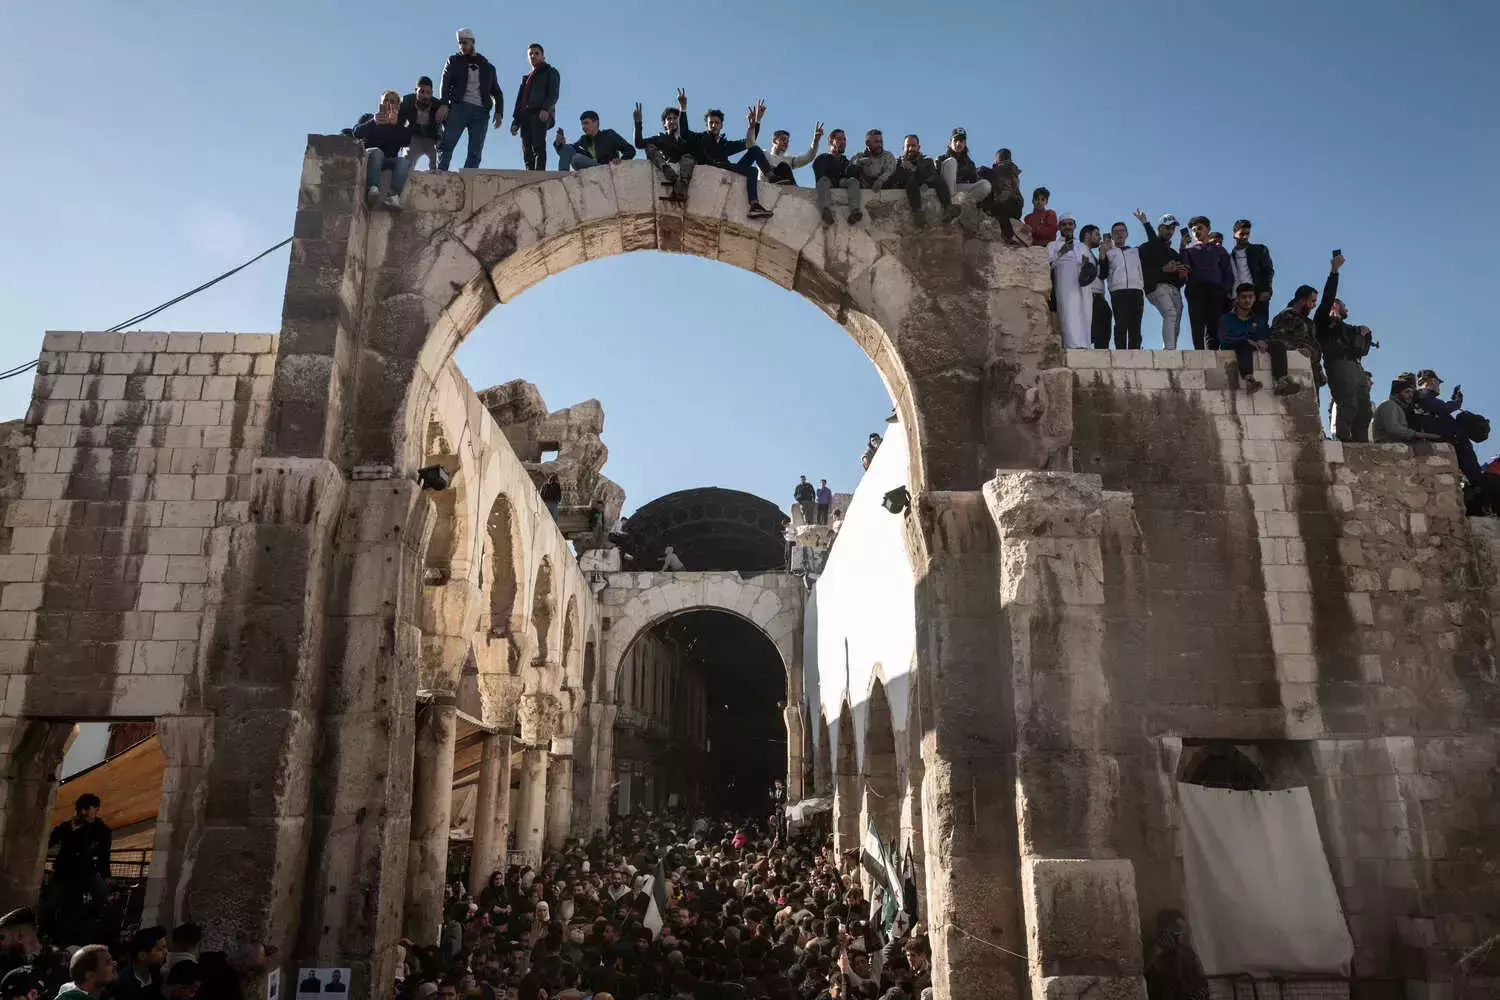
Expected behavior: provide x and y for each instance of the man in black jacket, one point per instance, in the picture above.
(1343, 347)
(1162, 275)
(833, 168)
(665, 149)
(81, 866)
(536, 104)
(914, 171)
(470, 88)
(711, 149)
(425, 117)
(958, 169)
(594, 148)
(1252, 265)
(384, 138)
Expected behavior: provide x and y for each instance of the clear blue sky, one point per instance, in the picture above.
(1371, 126)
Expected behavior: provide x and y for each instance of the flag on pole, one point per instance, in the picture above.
(656, 885)
(876, 860)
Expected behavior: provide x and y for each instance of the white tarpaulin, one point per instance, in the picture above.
(1260, 897)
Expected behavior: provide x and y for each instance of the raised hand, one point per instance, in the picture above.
(681, 99)
(1141, 217)
(817, 133)
(1338, 261)
(637, 113)
(760, 109)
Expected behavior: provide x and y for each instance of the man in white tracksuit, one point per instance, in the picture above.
(1074, 301)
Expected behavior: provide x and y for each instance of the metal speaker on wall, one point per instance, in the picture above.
(897, 501)
(434, 477)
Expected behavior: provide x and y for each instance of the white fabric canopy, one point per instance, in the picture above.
(1260, 897)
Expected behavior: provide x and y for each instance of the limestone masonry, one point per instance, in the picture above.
(1120, 566)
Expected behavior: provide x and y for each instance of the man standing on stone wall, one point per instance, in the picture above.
(1067, 257)
(425, 117)
(470, 88)
(1098, 306)
(806, 498)
(1162, 273)
(824, 497)
(1121, 268)
(1344, 346)
(536, 106)
(1210, 281)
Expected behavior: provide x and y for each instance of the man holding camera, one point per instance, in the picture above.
(1344, 346)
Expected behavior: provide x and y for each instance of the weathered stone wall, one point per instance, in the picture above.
(1325, 606)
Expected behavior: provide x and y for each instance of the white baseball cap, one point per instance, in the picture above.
(465, 33)
(1168, 220)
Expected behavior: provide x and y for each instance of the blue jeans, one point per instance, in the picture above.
(551, 506)
(376, 161)
(570, 159)
(461, 118)
(751, 164)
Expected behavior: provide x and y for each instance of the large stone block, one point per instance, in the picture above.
(1082, 918)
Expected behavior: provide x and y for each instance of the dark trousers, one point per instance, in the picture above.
(1004, 210)
(782, 174)
(913, 179)
(1244, 357)
(1349, 385)
(823, 513)
(1099, 327)
(1130, 306)
(533, 141)
(750, 165)
(1205, 308)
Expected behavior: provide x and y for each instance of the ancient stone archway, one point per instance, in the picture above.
(359, 360)
(881, 791)
(541, 611)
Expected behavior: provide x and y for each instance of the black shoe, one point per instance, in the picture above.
(855, 215)
(668, 175)
(919, 217)
(827, 216)
(758, 211)
(951, 212)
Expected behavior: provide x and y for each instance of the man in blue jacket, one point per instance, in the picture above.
(1247, 334)
(470, 88)
(536, 106)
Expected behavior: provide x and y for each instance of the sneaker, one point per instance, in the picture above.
(393, 202)
(854, 216)
(951, 212)
(1287, 386)
(372, 196)
(1251, 384)
(827, 216)
(759, 211)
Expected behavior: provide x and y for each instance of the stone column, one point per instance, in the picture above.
(538, 717)
(531, 822)
(793, 714)
(431, 817)
(31, 752)
(1082, 916)
(626, 780)
(559, 793)
(604, 766)
(186, 742)
(968, 784)
(491, 810)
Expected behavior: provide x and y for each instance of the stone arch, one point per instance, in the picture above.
(592, 678)
(446, 554)
(846, 784)
(1221, 765)
(881, 784)
(771, 605)
(954, 320)
(541, 610)
(823, 760)
(502, 581)
(568, 655)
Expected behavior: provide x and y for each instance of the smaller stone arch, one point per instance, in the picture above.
(541, 610)
(846, 784)
(593, 679)
(445, 558)
(881, 784)
(568, 654)
(502, 580)
(1222, 765)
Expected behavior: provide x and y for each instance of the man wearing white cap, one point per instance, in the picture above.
(1074, 299)
(470, 88)
(1162, 273)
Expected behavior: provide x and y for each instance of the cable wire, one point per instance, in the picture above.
(142, 317)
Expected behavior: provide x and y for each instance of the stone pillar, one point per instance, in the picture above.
(559, 793)
(793, 715)
(968, 784)
(186, 742)
(604, 765)
(625, 778)
(431, 818)
(31, 752)
(491, 810)
(538, 717)
(1081, 911)
(531, 821)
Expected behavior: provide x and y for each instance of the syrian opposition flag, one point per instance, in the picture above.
(657, 887)
(876, 860)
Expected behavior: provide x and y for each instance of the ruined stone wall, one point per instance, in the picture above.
(132, 489)
(1325, 607)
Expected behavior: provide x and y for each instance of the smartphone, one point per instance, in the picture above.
(1338, 253)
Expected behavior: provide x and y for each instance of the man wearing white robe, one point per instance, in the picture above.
(1074, 302)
